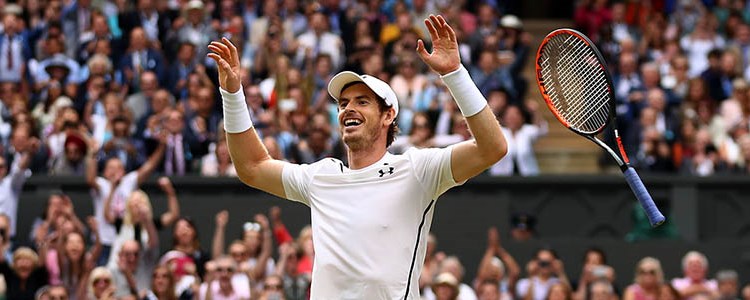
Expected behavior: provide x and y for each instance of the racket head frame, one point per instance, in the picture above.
(602, 64)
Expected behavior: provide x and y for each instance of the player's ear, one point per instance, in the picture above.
(390, 116)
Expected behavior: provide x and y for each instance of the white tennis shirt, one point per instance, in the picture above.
(370, 225)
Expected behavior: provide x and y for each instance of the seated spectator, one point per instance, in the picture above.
(221, 286)
(72, 162)
(100, 284)
(594, 268)
(24, 275)
(545, 270)
(123, 145)
(218, 162)
(294, 285)
(445, 287)
(695, 268)
(649, 279)
(420, 135)
(559, 291)
(183, 148)
(138, 103)
(162, 285)
(601, 289)
(273, 288)
(452, 265)
(46, 110)
(522, 226)
(728, 284)
(132, 269)
(497, 266)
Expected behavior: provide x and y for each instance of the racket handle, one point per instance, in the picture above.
(634, 181)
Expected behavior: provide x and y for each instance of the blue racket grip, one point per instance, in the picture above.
(634, 181)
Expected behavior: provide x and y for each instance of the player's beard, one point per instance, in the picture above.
(362, 138)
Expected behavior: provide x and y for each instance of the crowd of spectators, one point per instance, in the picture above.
(680, 72)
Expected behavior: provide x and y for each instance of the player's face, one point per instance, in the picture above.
(361, 122)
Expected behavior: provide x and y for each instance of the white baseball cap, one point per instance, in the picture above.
(379, 87)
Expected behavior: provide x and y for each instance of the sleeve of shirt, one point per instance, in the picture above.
(432, 167)
(18, 176)
(130, 180)
(522, 287)
(296, 180)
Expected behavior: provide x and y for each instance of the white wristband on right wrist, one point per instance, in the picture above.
(468, 97)
(236, 115)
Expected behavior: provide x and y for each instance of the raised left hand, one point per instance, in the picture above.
(445, 57)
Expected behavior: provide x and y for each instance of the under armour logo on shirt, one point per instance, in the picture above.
(382, 172)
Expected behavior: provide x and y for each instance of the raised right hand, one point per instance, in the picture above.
(226, 57)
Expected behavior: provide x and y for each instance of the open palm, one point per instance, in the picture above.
(226, 57)
(445, 57)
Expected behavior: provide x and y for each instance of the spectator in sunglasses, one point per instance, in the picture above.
(100, 284)
(273, 289)
(649, 278)
(221, 286)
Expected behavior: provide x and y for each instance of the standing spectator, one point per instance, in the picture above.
(11, 183)
(137, 223)
(146, 15)
(139, 58)
(520, 159)
(544, 271)
(699, 43)
(194, 29)
(185, 239)
(15, 50)
(180, 69)
(114, 181)
(24, 275)
(695, 268)
(72, 261)
(318, 40)
(649, 278)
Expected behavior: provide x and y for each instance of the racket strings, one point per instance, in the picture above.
(575, 82)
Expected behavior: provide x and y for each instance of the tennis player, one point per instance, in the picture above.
(370, 218)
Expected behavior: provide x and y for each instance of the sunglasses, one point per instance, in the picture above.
(273, 287)
(228, 270)
(105, 280)
(248, 226)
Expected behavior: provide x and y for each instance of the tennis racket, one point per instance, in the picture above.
(573, 78)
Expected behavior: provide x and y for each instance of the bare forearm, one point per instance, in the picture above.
(487, 133)
(217, 244)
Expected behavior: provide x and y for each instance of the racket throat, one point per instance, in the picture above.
(621, 148)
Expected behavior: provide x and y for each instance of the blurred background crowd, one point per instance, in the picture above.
(116, 91)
